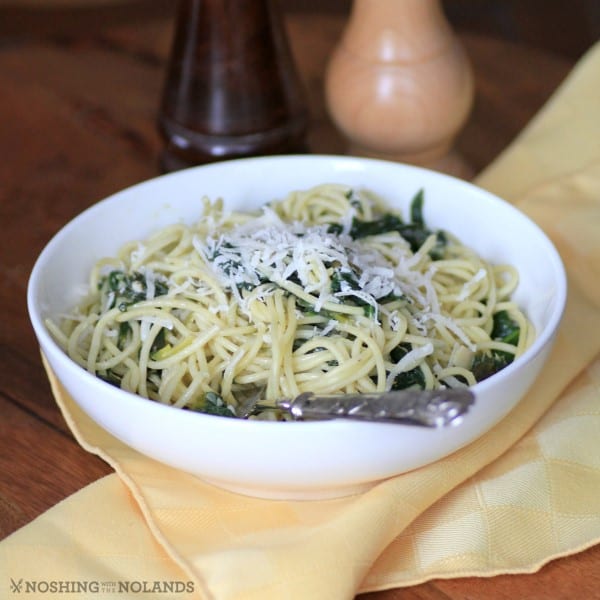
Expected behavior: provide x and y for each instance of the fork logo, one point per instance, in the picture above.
(16, 587)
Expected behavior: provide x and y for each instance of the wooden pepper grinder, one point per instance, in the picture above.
(231, 88)
(399, 85)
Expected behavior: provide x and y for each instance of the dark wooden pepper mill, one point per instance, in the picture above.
(231, 86)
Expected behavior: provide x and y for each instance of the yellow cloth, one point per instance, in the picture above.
(523, 494)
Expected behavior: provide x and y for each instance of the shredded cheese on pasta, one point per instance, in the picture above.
(290, 299)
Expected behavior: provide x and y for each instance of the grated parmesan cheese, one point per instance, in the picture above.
(408, 362)
(266, 248)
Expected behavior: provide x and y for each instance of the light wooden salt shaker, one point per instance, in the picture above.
(399, 85)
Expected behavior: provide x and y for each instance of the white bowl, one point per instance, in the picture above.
(295, 459)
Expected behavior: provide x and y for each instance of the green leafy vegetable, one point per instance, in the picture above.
(361, 229)
(124, 333)
(212, 404)
(347, 280)
(110, 377)
(409, 379)
(486, 364)
(159, 342)
(125, 289)
(506, 330)
(415, 232)
(416, 209)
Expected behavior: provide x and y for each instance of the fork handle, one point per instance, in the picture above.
(427, 408)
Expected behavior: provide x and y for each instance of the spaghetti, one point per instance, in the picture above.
(326, 290)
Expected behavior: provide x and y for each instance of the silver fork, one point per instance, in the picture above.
(426, 408)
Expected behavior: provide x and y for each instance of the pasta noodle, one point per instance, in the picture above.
(326, 290)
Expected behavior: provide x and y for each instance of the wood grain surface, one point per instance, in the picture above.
(78, 122)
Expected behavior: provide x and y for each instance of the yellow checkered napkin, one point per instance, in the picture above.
(523, 494)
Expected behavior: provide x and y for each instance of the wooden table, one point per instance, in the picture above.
(77, 122)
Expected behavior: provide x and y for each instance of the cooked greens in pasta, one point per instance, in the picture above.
(327, 290)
